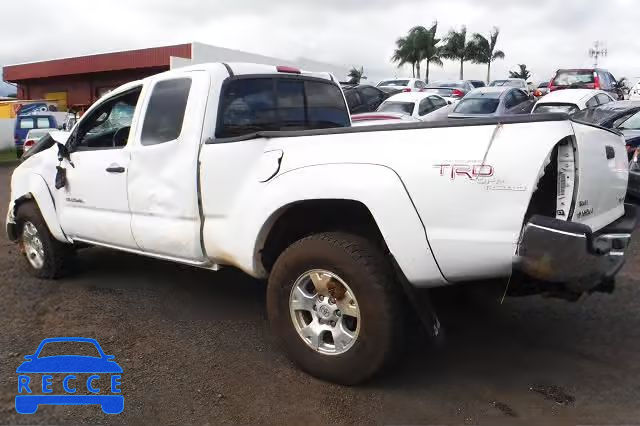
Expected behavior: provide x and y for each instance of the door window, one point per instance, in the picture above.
(108, 125)
(603, 99)
(437, 101)
(593, 102)
(165, 112)
(425, 106)
(371, 95)
(510, 100)
(520, 97)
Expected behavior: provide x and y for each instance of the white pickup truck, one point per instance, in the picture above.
(257, 167)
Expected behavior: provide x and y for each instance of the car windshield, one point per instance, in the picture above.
(576, 78)
(477, 106)
(69, 348)
(394, 83)
(561, 108)
(401, 107)
(631, 123)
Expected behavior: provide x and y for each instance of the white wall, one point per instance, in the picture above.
(202, 53)
(6, 133)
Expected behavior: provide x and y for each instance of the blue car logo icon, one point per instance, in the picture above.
(27, 400)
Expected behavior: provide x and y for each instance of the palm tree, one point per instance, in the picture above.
(418, 45)
(458, 48)
(355, 75)
(523, 73)
(430, 50)
(407, 52)
(486, 51)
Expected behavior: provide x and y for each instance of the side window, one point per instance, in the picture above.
(425, 106)
(438, 101)
(604, 80)
(520, 97)
(612, 80)
(108, 125)
(353, 99)
(603, 99)
(26, 123)
(371, 94)
(165, 112)
(251, 105)
(419, 84)
(593, 102)
(510, 100)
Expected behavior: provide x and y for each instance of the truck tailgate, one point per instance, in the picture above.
(602, 176)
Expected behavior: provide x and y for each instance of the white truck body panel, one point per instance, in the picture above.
(450, 202)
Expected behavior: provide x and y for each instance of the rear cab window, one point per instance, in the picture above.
(43, 123)
(256, 104)
(26, 123)
(574, 78)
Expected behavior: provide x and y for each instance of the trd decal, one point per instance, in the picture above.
(470, 171)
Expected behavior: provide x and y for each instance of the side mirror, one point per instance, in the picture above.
(63, 152)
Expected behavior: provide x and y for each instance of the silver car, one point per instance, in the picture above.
(492, 101)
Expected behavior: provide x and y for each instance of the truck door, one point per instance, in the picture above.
(93, 205)
(163, 173)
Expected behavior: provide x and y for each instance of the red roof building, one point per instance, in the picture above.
(82, 80)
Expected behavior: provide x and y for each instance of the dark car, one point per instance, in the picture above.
(586, 78)
(493, 101)
(623, 116)
(365, 98)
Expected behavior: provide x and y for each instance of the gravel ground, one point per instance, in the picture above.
(195, 348)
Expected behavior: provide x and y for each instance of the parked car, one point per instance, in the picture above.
(365, 98)
(415, 104)
(46, 142)
(623, 116)
(571, 101)
(257, 167)
(477, 83)
(404, 84)
(380, 118)
(24, 123)
(587, 78)
(33, 136)
(493, 101)
(512, 82)
(463, 87)
(451, 94)
(541, 90)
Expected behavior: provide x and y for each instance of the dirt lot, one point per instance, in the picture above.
(195, 348)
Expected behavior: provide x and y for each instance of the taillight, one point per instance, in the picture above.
(456, 93)
(596, 81)
(537, 93)
(28, 144)
(406, 90)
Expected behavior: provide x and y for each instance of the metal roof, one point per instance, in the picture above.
(130, 59)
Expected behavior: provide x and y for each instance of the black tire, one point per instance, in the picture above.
(56, 253)
(370, 276)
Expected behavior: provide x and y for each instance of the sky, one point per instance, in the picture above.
(544, 34)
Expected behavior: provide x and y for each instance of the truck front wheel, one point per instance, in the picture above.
(46, 257)
(333, 302)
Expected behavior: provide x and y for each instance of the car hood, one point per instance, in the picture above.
(69, 364)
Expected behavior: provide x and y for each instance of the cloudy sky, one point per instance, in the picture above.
(544, 34)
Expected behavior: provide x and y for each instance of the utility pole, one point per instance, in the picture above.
(597, 51)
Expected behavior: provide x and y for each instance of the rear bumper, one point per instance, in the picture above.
(556, 251)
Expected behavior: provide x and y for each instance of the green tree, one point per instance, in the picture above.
(522, 73)
(430, 52)
(485, 50)
(406, 52)
(420, 44)
(458, 48)
(355, 75)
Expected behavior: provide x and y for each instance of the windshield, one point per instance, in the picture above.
(401, 107)
(575, 78)
(561, 108)
(394, 83)
(477, 106)
(450, 84)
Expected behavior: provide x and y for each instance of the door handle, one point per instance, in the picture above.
(611, 153)
(115, 169)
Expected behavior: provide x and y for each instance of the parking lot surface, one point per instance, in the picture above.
(195, 348)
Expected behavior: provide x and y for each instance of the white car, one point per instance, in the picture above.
(257, 167)
(33, 136)
(404, 84)
(415, 104)
(570, 101)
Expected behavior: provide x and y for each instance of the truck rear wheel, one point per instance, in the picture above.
(333, 302)
(46, 257)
